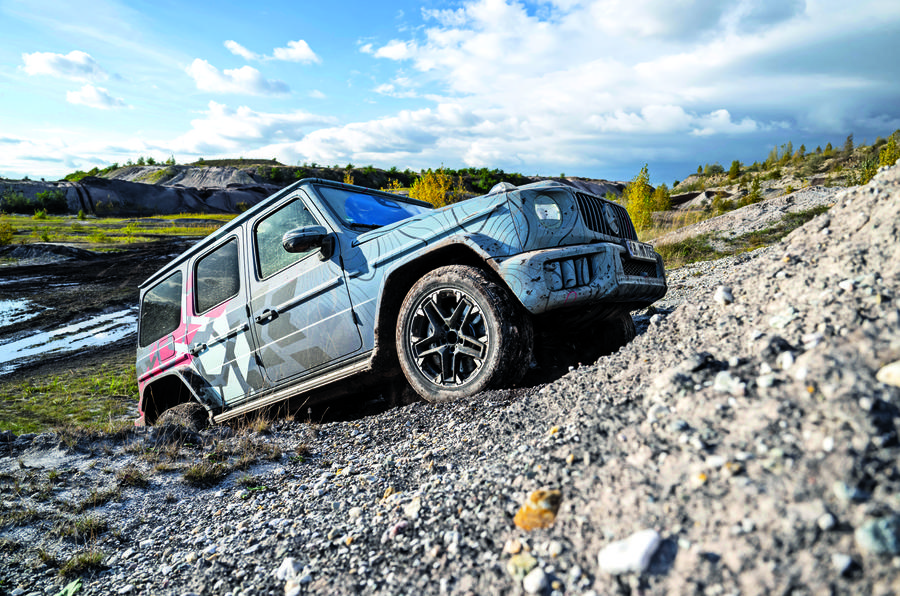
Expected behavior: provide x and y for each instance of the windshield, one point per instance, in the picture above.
(364, 211)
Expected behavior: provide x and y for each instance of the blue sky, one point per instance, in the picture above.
(591, 88)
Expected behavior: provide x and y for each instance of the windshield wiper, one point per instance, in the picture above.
(364, 226)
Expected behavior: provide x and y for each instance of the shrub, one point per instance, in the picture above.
(39, 214)
(52, 201)
(6, 233)
(436, 187)
(15, 202)
(638, 198)
(735, 170)
(890, 152)
(81, 215)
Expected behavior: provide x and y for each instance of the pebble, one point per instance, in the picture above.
(879, 536)
(841, 562)
(539, 510)
(631, 555)
(536, 581)
(723, 295)
(826, 522)
(520, 565)
(889, 374)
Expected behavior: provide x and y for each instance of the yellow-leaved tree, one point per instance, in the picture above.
(638, 199)
(436, 187)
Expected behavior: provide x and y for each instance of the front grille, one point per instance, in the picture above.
(638, 268)
(592, 211)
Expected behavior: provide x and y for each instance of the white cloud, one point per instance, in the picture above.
(223, 130)
(296, 51)
(719, 122)
(244, 80)
(239, 50)
(316, 94)
(76, 65)
(94, 97)
(396, 50)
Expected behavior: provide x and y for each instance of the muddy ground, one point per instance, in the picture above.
(72, 285)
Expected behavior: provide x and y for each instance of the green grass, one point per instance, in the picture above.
(96, 232)
(81, 563)
(700, 247)
(88, 399)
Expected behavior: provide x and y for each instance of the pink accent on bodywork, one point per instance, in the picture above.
(569, 295)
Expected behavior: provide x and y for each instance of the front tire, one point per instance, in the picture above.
(460, 333)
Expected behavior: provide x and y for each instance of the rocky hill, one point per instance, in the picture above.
(227, 188)
(746, 442)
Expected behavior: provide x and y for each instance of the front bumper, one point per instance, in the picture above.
(587, 274)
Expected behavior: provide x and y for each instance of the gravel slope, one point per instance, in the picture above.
(753, 430)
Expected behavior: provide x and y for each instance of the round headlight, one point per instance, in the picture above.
(548, 212)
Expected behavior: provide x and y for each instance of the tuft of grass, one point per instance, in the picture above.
(83, 562)
(689, 250)
(97, 498)
(82, 529)
(206, 474)
(131, 476)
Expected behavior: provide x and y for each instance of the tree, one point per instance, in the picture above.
(828, 150)
(436, 187)
(890, 152)
(699, 169)
(848, 144)
(638, 198)
(661, 199)
(735, 170)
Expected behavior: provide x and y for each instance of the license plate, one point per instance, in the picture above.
(640, 250)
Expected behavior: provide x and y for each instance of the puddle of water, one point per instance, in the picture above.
(99, 331)
(16, 311)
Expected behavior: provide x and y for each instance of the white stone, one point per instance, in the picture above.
(841, 562)
(826, 522)
(890, 374)
(536, 581)
(289, 569)
(723, 295)
(828, 444)
(631, 555)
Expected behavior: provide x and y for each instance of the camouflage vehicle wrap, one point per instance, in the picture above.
(328, 285)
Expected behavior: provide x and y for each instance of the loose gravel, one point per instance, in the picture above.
(744, 443)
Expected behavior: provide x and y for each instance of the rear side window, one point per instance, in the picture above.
(217, 276)
(271, 256)
(161, 309)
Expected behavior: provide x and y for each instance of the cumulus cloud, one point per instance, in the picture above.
(94, 97)
(239, 50)
(224, 130)
(295, 51)
(245, 80)
(76, 66)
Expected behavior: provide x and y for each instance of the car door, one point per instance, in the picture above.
(220, 339)
(300, 306)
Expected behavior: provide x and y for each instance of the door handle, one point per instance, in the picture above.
(266, 316)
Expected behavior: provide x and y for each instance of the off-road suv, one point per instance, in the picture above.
(331, 286)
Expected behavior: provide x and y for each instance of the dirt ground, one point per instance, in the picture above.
(79, 285)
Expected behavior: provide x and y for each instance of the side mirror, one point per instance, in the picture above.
(304, 239)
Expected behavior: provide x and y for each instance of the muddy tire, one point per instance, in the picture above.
(190, 415)
(460, 333)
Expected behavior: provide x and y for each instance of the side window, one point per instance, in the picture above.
(217, 277)
(161, 309)
(270, 254)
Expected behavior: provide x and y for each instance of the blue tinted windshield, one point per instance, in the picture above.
(362, 210)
